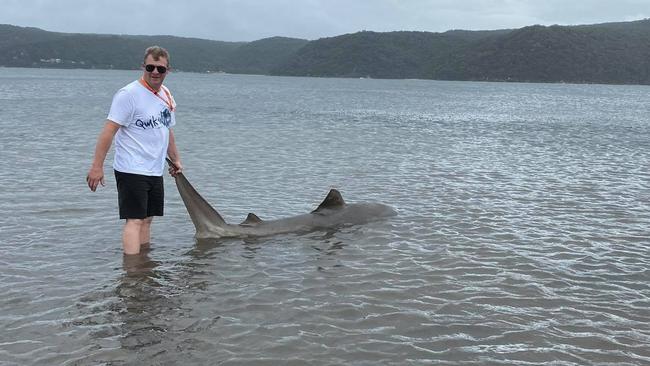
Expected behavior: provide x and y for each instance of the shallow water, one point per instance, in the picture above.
(522, 234)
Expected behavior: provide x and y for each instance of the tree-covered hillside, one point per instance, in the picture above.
(605, 53)
(599, 53)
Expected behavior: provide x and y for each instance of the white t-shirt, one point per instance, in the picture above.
(141, 143)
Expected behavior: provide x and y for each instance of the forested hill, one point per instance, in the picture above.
(601, 53)
(33, 47)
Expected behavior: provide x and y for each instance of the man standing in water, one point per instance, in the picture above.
(140, 119)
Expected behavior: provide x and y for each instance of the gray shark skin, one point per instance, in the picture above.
(332, 212)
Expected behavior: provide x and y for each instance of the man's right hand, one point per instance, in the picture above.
(94, 178)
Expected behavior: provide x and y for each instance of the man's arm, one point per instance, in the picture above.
(95, 175)
(172, 153)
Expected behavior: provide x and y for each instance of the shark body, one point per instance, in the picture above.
(332, 212)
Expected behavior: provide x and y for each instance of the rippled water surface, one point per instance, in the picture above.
(522, 234)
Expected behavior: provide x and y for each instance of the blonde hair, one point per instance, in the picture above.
(156, 52)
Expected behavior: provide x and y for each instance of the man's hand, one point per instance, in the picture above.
(95, 177)
(175, 168)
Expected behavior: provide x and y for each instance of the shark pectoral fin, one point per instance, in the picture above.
(251, 220)
(333, 201)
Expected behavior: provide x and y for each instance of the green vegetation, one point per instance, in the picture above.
(260, 57)
(602, 53)
(31, 47)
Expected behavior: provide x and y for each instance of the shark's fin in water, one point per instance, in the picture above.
(251, 220)
(333, 201)
(201, 212)
(203, 215)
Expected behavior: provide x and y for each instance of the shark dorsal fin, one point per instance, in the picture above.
(251, 220)
(333, 201)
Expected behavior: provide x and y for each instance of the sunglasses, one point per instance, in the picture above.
(161, 69)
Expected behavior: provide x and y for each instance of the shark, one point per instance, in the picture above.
(332, 212)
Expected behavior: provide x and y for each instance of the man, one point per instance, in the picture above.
(140, 119)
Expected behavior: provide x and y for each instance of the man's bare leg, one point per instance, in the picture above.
(131, 235)
(145, 233)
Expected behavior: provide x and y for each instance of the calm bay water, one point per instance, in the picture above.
(522, 234)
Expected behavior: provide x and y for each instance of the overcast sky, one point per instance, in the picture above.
(248, 20)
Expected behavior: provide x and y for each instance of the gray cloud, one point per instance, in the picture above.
(246, 20)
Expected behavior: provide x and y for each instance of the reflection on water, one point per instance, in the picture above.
(141, 265)
(141, 291)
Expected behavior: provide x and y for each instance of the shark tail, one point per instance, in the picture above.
(203, 215)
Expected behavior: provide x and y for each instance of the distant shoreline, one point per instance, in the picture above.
(336, 77)
(608, 53)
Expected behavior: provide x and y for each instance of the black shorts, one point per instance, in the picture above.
(139, 196)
